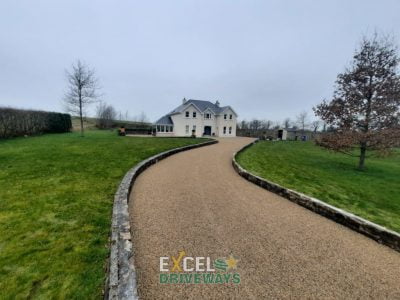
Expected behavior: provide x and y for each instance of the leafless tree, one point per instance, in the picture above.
(82, 90)
(365, 109)
(276, 126)
(315, 125)
(106, 115)
(243, 124)
(303, 121)
(255, 124)
(266, 124)
(286, 123)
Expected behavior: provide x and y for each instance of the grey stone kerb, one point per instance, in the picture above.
(367, 228)
(121, 274)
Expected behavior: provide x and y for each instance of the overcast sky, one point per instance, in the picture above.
(267, 59)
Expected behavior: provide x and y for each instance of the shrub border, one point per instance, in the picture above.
(374, 231)
(121, 274)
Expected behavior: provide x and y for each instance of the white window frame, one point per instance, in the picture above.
(230, 117)
(224, 131)
(230, 129)
(187, 129)
(194, 115)
(225, 116)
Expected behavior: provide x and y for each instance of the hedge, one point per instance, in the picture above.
(20, 122)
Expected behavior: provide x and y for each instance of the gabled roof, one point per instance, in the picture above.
(201, 105)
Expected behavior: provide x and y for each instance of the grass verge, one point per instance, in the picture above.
(373, 194)
(56, 201)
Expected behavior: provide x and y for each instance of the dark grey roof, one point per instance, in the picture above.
(202, 105)
(165, 120)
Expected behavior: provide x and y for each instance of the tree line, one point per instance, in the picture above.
(302, 122)
(19, 122)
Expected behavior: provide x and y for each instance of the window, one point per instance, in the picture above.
(230, 117)
(171, 128)
(167, 128)
(225, 115)
(207, 116)
(187, 114)
(194, 114)
(187, 129)
(162, 128)
(224, 129)
(194, 127)
(158, 128)
(230, 130)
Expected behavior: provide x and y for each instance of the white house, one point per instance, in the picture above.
(199, 117)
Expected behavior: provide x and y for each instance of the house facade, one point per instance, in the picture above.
(199, 117)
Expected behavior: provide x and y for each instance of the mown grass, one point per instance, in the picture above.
(373, 194)
(56, 195)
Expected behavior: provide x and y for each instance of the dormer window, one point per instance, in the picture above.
(187, 114)
(225, 115)
(207, 116)
(194, 114)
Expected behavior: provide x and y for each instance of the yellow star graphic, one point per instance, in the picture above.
(231, 262)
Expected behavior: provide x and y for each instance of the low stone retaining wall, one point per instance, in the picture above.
(369, 229)
(121, 274)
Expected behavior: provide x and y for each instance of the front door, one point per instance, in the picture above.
(207, 130)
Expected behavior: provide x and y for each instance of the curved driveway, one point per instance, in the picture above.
(195, 201)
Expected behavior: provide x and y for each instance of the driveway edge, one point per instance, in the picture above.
(121, 274)
(374, 231)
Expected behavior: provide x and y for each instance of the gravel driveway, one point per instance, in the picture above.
(194, 201)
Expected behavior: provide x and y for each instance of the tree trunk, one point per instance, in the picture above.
(363, 150)
(81, 116)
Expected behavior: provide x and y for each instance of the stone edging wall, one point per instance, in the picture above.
(121, 274)
(369, 229)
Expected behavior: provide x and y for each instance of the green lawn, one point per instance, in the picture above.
(373, 194)
(56, 195)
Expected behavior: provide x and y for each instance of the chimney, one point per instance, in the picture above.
(217, 103)
(183, 100)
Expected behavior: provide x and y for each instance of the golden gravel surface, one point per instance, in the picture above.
(195, 201)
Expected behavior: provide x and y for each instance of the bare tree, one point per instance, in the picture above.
(286, 123)
(255, 124)
(106, 115)
(302, 121)
(315, 125)
(365, 109)
(244, 124)
(82, 90)
(266, 124)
